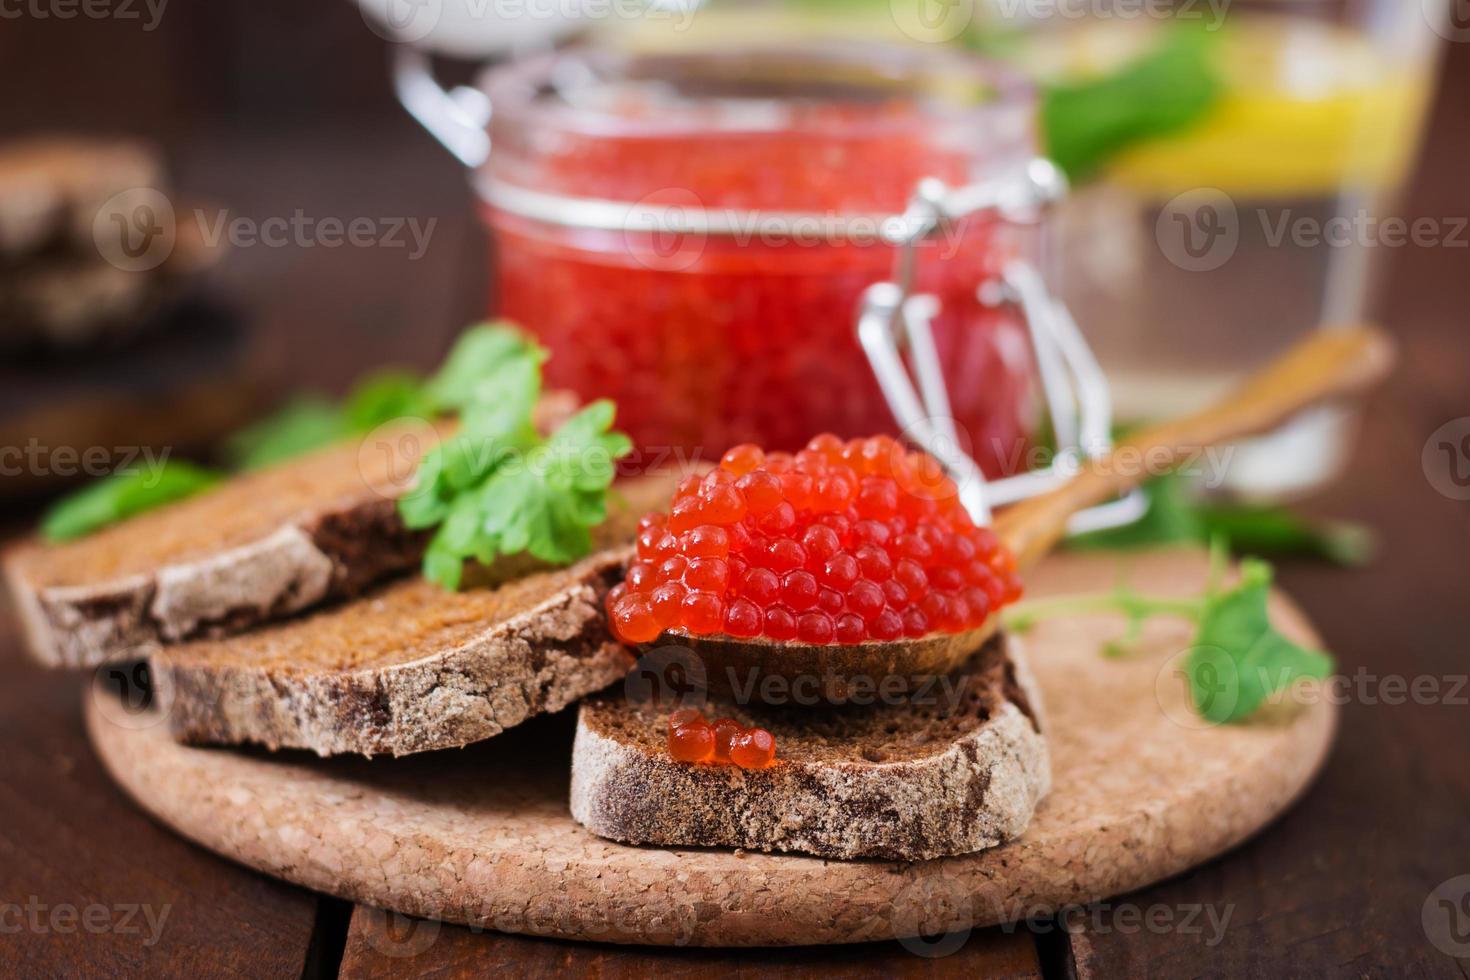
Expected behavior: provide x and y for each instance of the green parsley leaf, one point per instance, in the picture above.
(301, 426)
(1238, 659)
(497, 488)
(476, 357)
(1174, 516)
(1170, 519)
(123, 495)
(384, 396)
(1085, 123)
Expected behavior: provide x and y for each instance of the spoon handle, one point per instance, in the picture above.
(1331, 363)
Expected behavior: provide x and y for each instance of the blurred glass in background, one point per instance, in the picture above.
(1236, 166)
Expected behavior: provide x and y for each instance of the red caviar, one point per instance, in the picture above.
(844, 542)
(710, 340)
(724, 741)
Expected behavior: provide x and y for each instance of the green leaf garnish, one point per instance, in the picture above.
(1239, 659)
(1174, 516)
(301, 426)
(497, 488)
(384, 396)
(480, 353)
(1085, 123)
(123, 495)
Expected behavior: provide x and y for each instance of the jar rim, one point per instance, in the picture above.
(937, 81)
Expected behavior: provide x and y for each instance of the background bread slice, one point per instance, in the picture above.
(407, 668)
(256, 548)
(903, 782)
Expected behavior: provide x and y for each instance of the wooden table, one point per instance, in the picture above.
(1337, 887)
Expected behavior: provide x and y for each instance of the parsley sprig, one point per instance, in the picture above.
(1238, 659)
(122, 495)
(497, 487)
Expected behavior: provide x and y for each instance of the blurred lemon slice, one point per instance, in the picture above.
(1307, 108)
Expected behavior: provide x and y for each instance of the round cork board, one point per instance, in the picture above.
(1142, 790)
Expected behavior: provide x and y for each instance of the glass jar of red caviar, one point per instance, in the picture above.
(692, 235)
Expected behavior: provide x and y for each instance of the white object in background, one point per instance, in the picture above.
(474, 29)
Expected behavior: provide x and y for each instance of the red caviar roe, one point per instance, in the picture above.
(724, 741)
(843, 542)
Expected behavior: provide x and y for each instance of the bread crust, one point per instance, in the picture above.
(975, 791)
(539, 658)
(83, 605)
(298, 565)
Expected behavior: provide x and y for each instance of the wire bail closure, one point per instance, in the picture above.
(893, 322)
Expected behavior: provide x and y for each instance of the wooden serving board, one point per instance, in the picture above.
(1143, 790)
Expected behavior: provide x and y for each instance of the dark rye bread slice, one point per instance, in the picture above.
(907, 782)
(407, 668)
(51, 189)
(258, 547)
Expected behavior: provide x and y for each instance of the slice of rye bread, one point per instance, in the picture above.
(907, 782)
(407, 668)
(256, 548)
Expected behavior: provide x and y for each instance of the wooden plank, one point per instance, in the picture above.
(70, 845)
(89, 886)
(1340, 885)
(383, 944)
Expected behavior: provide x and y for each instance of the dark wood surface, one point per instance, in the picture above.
(1337, 887)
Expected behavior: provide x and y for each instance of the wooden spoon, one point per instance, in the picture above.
(1330, 364)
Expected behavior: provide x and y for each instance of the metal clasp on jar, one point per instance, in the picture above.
(894, 321)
